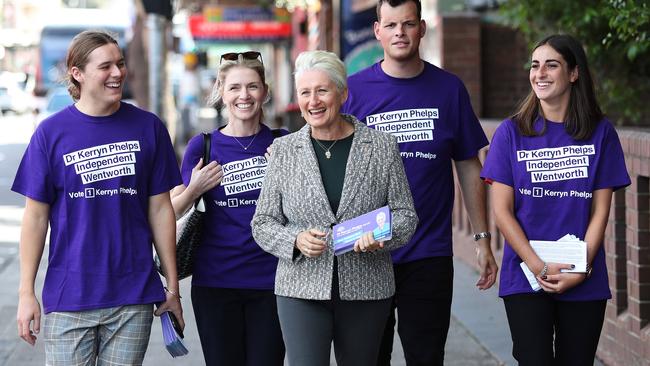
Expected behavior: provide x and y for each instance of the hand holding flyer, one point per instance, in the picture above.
(348, 232)
(568, 250)
(172, 335)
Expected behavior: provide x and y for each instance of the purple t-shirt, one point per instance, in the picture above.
(97, 174)
(433, 120)
(554, 177)
(228, 256)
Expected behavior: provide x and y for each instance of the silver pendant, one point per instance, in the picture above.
(328, 154)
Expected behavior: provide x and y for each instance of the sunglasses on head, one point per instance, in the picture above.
(248, 55)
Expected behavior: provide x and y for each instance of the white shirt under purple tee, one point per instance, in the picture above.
(434, 123)
(554, 177)
(97, 174)
(228, 256)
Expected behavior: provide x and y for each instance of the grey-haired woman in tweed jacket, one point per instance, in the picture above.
(333, 169)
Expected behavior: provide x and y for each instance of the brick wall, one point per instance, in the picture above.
(461, 52)
(504, 82)
(626, 334)
(625, 339)
(489, 58)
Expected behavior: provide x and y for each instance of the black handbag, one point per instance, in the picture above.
(189, 228)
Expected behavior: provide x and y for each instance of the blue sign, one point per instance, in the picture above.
(359, 47)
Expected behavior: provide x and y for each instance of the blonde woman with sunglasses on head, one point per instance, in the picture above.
(232, 284)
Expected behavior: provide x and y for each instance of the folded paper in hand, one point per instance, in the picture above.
(173, 338)
(568, 250)
(348, 232)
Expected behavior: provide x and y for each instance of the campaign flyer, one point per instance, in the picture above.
(172, 335)
(348, 232)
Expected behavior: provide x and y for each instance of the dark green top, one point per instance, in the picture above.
(332, 170)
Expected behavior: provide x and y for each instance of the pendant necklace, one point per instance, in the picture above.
(249, 144)
(328, 154)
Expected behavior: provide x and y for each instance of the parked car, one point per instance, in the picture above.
(13, 99)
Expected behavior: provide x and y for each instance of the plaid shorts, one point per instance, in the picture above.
(111, 336)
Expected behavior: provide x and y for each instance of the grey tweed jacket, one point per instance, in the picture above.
(293, 199)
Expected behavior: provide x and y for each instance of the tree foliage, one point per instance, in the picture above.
(616, 36)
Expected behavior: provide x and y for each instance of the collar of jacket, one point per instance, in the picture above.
(360, 156)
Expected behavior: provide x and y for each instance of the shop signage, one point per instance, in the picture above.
(241, 23)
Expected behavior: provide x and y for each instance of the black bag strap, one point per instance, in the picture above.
(207, 143)
(207, 139)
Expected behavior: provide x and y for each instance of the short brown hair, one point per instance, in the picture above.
(82, 45)
(396, 3)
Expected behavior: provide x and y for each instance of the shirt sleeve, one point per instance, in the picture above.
(34, 177)
(470, 137)
(193, 153)
(611, 171)
(498, 164)
(164, 172)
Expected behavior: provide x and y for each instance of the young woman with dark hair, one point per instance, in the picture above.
(553, 167)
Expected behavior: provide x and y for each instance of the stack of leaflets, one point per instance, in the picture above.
(172, 335)
(569, 249)
(348, 232)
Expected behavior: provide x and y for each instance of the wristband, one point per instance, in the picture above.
(544, 270)
(173, 293)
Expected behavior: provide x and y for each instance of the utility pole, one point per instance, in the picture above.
(159, 12)
(158, 16)
(156, 25)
